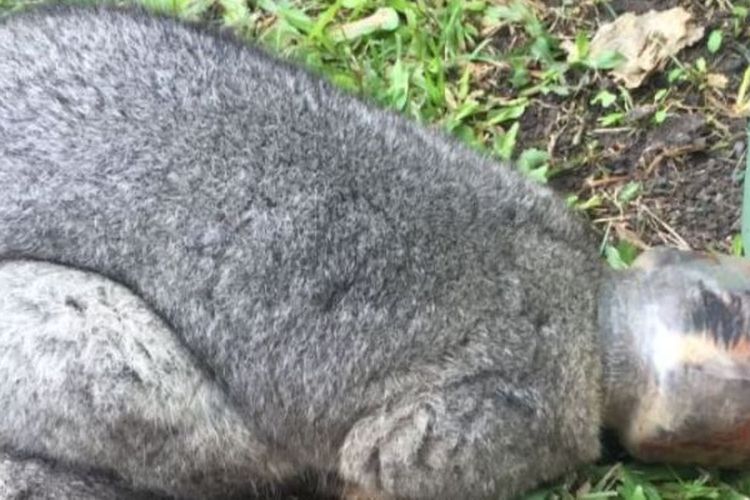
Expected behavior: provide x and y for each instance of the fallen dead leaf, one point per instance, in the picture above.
(717, 81)
(645, 41)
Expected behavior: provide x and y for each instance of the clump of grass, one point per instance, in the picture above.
(631, 481)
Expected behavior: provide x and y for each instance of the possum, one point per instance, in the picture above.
(221, 275)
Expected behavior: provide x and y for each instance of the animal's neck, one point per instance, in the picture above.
(623, 375)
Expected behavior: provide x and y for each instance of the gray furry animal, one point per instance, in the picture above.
(220, 274)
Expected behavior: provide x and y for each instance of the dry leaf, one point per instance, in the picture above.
(646, 41)
(717, 81)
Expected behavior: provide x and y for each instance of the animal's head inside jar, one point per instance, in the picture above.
(676, 335)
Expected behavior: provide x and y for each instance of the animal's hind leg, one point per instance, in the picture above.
(480, 439)
(90, 377)
(32, 479)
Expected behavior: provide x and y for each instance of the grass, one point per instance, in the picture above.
(495, 75)
(632, 481)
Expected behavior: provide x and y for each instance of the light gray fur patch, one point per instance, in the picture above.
(92, 377)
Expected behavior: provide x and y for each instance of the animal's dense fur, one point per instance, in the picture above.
(33, 479)
(340, 290)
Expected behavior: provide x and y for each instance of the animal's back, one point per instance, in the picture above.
(324, 258)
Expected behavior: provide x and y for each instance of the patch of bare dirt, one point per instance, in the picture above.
(689, 167)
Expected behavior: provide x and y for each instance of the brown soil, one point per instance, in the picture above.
(690, 167)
